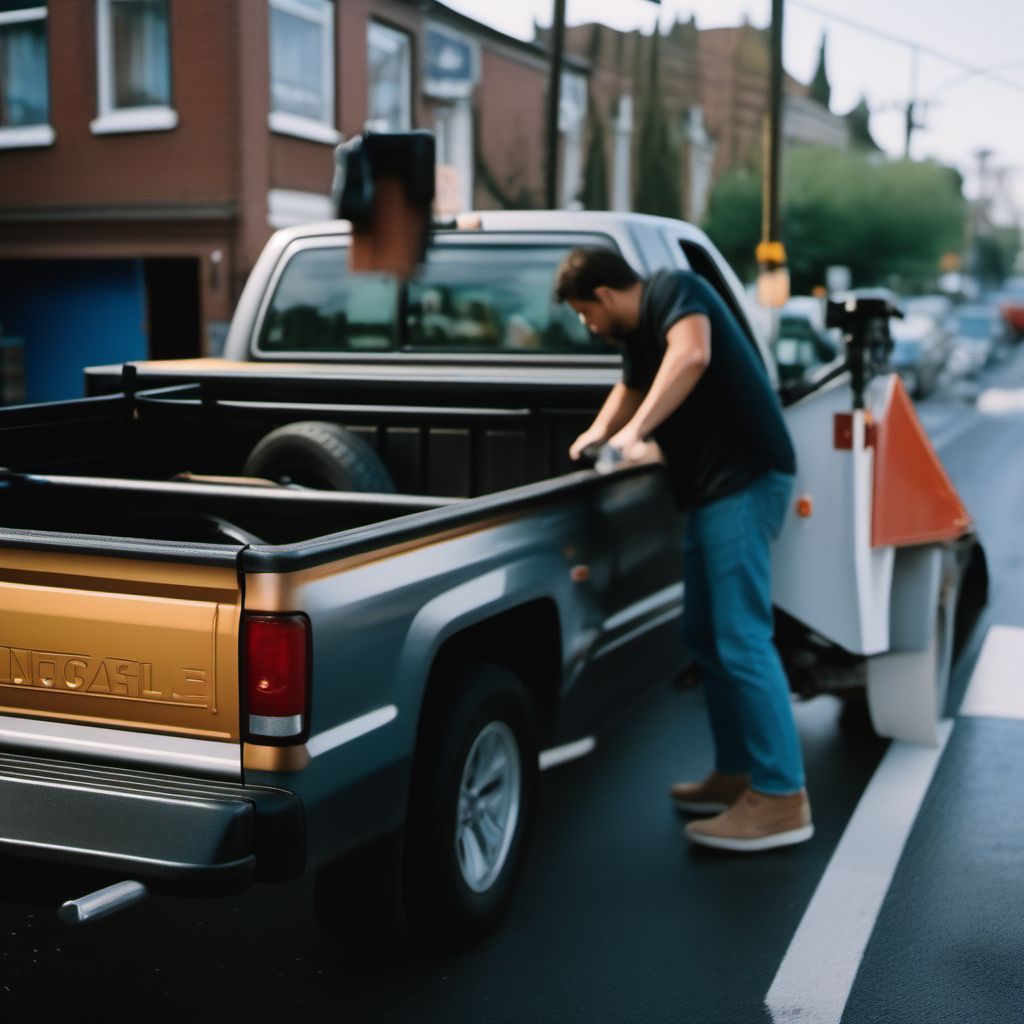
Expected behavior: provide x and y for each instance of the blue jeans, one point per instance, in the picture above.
(727, 626)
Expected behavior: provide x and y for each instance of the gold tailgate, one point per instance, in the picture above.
(107, 641)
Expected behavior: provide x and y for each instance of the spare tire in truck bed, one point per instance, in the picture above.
(324, 456)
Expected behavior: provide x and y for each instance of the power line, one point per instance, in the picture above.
(903, 41)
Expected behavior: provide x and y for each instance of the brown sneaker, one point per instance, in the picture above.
(756, 821)
(716, 793)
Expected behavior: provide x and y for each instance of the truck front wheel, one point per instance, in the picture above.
(471, 803)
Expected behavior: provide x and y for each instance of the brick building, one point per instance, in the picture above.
(712, 88)
(149, 147)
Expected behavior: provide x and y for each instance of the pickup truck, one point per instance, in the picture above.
(331, 602)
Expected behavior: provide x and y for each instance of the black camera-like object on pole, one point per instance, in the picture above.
(863, 318)
(384, 185)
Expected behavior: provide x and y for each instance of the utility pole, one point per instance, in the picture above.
(911, 122)
(554, 102)
(773, 278)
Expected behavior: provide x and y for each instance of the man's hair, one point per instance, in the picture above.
(591, 267)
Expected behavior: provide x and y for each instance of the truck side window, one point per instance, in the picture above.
(493, 298)
(318, 307)
(701, 263)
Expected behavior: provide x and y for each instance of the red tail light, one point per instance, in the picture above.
(276, 675)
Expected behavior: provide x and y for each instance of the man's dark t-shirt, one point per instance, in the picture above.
(729, 430)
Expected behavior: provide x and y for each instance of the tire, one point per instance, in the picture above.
(323, 456)
(410, 887)
(454, 893)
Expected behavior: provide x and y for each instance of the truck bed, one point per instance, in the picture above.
(161, 464)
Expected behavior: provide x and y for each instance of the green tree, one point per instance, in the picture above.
(595, 171)
(733, 218)
(879, 217)
(859, 120)
(659, 169)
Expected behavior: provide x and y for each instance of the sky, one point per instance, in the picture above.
(967, 113)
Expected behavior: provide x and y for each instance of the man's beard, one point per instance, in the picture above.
(618, 333)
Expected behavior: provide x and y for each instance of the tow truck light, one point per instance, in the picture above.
(276, 675)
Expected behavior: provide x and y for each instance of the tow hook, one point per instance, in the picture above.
(102, 903)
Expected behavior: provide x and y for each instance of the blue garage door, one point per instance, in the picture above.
(71, 314)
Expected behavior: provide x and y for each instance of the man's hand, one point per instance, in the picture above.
(592, 435)
(630, 444)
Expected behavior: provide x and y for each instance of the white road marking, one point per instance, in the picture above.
(815, 977)
(996, 689)
(1001, 401)
(817, 973)
(568, 752)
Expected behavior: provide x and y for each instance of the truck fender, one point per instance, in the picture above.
(468, 604)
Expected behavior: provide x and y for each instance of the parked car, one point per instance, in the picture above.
(1011, 304)
(938, 307)
(799, 347)
(980, 334)
(921, 348)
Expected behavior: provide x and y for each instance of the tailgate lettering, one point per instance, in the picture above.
(97, 677)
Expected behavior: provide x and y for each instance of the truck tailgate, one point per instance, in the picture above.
(140, 645)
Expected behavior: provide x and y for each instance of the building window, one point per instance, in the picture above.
(133, 45)
(451, 70)
(390, 83)
(302, 69)
(24, 79)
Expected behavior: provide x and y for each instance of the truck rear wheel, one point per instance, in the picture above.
(323, 456)
(447, 876)
(471, 804)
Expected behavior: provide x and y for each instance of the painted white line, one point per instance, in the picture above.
(1001, 401)
(815, 977)
(568, 752)
(348, 731)
(996, 689)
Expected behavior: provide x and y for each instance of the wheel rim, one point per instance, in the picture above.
(488, 809)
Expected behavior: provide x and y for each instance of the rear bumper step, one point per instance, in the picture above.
(170, 832)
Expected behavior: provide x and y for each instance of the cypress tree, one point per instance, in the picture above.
(820, 89)
(595, 171)
(658, 183)
(859, 120)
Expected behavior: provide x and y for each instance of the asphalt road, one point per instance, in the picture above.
(616, 918)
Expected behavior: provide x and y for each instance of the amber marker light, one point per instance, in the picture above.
(804, 506)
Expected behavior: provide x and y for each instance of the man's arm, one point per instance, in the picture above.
(687, 355)
(619, 408)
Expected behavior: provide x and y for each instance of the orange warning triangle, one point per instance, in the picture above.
(914, 501)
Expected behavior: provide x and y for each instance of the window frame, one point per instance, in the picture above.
(341, 242)
(283, 122)
(113, 120)
(24, 136)
(407, 90)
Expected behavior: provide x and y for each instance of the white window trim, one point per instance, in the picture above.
(23, 136)
(281, 121)
(25, 14)
(113, 120)
(135, 119)
(407, 91)
(287, 207)
(302, 127)
(27, 135)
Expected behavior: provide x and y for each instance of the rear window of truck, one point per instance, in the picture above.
(469, 299)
